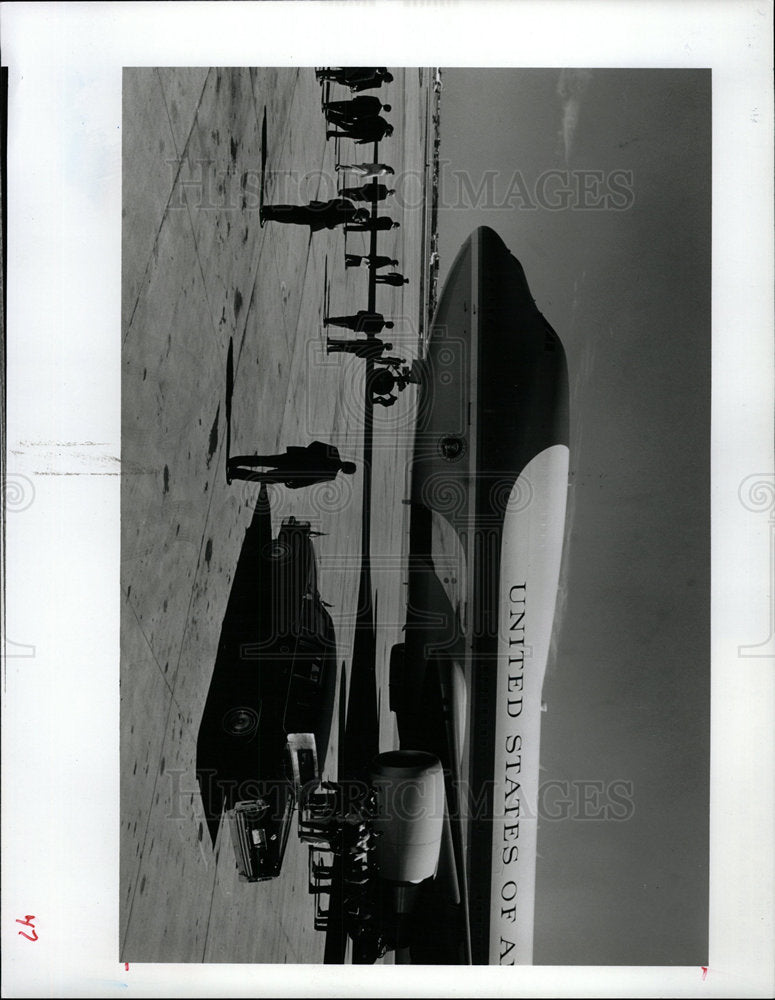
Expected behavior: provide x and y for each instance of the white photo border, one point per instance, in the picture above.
(60, 707)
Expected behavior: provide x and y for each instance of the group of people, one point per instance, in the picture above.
(361, 888)
(360, 119)
(393, 374)
(353, 838)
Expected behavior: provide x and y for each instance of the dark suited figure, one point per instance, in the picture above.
(374, 225)
(405, 377)
(357, 78)
(317, 215)
(367, 192)
(394, 278)
(362, 322)
(356, 259)
(297, 467)
(381, 385)
(369, 349)
(351, 111)
(365, 170)
(363, 130)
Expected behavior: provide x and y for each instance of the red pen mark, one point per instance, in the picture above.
(126, 966)
(27, 922)
(704, 971)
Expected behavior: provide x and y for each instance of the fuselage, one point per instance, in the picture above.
(489, 484)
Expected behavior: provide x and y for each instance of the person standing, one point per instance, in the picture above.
(367, 81)
(318, 462)
(371, 129)
(394, 278)
(366, 170)
(372, 225)
(381, 385)
(317, 215)
(357, 78)
(361, 322)
(406, 376)
(351, 111)
(367, 192)
(356, 259)
(369, 349)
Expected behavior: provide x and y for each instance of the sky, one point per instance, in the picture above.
(599, 182)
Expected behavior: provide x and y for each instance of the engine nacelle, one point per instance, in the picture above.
(409, 787)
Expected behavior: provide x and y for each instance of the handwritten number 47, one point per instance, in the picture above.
(27, 922)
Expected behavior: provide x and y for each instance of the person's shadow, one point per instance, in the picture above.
(263, 163)
(229, 394)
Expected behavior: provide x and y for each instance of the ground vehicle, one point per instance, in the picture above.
(268, 710)
(487, 512)
(260, 827)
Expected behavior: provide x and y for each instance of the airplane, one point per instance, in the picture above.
(487, 514)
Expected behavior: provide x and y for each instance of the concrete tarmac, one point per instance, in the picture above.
(201, 274)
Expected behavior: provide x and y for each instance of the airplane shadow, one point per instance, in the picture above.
(263, 161)
(221, 760)
(241, 736)
(361, 737)
(358, 745)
